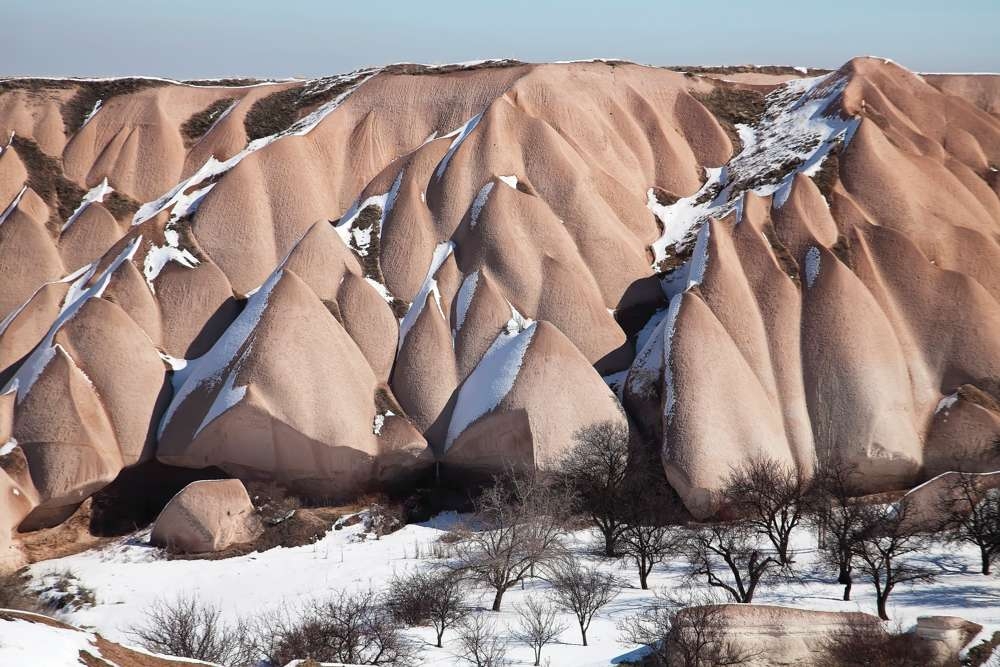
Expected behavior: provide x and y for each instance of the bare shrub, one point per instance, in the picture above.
(730, 557)
(188, 628)
(883, 548)
(479, 643)
(868, 644)
(354, 629)
(522, 523)
(16, 593)
(537, 625)
(64, 590)
(427, 597)
(683, 632)
(594, 470)
(769, 496)
(581, 590)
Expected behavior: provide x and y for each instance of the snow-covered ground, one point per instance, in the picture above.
(127, 575)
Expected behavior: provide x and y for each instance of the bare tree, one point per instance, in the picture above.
(838, 516)
(479, 643)
(354, 629)
(684, 632)
(883, 548)
(537, 625)
(594, 469)
(971, 514)
(651, 511)
(188, 628)
(770, 497)
(581, 590)
(423, 597)
(730, 556)
(523, 523)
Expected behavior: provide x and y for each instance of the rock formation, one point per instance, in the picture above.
(205, 516)
(302, 282)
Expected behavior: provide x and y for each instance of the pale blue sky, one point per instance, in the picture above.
(275, 38)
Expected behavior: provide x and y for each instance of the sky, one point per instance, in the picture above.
(282, 38)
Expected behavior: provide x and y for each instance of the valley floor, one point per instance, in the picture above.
(128, 574)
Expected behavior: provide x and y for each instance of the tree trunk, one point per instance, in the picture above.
(845, 578)
(985, 560)
(538, 658)
(497, 599)
(609, 542)
(583, 633)
(642, 578)
(440, 635)
(881, 607)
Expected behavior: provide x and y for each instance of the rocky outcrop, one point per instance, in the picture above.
(301, 282)
(207, 516)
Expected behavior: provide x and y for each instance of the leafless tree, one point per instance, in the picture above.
(838, 516)
(883, 549)
(427, 597)
(354, 629)
(867, 643)
(581, 590)
(971, 514)
(479, 643)
(594, 469)
(651, 514)
(684, 632)
(731, 557)
(537, 625)
(522, 521)
(188, 628)
(770, 496)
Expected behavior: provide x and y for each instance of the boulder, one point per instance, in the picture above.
(207, 516)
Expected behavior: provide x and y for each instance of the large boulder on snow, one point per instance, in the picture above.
(205, 516)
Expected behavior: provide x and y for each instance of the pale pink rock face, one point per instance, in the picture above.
(441, 265)
(206, 516)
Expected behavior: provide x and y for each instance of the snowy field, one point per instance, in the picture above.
(128, 574)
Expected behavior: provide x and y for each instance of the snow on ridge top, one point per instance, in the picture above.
(464, 300)
(459, 136)
(429, 286)
(13, 204)
(213, 168)
(799, 127)
(78, 294)
(226, 353)
(95, 194)
(490, 381)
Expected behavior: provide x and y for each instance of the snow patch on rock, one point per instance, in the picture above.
(459, 136)
(799, 127)
(490, 381)
(224, 357)
(464, 300)
(95, 194)
(479, 202)
(429, 286)
(813, 261)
